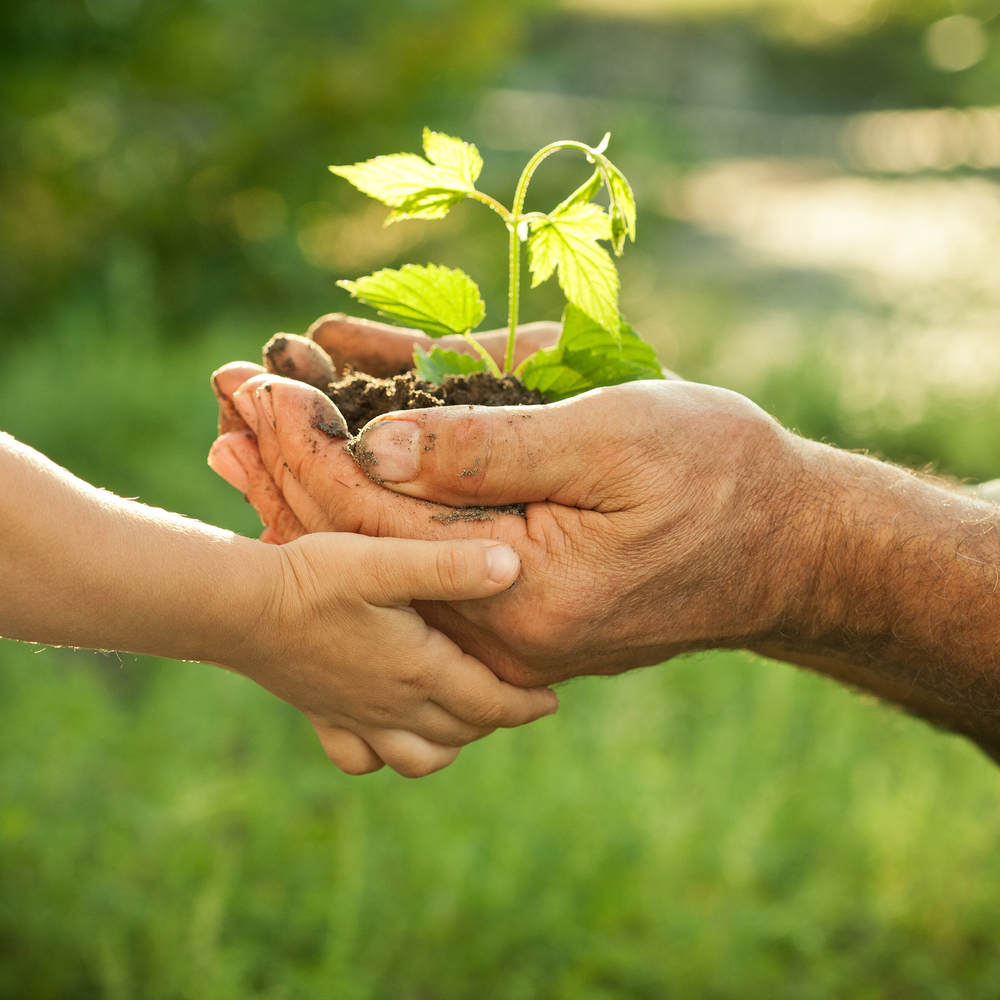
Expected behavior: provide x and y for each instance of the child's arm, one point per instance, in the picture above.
(320, 622)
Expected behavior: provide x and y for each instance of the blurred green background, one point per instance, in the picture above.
(819, 228)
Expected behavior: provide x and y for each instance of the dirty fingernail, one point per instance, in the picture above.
(243, 401)
(393, 448)
(224, 463)
(265, 406)
(501, 561)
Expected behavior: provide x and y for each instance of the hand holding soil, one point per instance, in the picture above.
(659, 517)
(612, 530)
(382, 350)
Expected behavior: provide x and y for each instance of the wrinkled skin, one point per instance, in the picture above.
(661, 517)
(622, 564)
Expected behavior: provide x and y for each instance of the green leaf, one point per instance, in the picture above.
(622, 206)
(588, 356)
(435, 299)
(429, 204)
(582, 194)
(434, 366)
(567, 239)
(414, 187)
(460, 158)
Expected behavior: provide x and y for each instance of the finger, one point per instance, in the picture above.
(468, 690)
(328, 490)
(317, 421)
(376, 348)
(299, 358)
(252, 402)
(531, 337)
(435, 723)
(394, 571)
(225, 381)
(408, 754)
(474, 699)
(347, 750)
(236, 458)
(586, 452)
(570, 452)
(383, 350)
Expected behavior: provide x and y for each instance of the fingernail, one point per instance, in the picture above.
(393, 447)
(501, 562)
(243, 401)
(264, 403)
(223, 462)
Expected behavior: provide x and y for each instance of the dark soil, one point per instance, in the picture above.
(361, 398)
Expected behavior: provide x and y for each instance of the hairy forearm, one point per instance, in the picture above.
(897, 590)
(82, 567)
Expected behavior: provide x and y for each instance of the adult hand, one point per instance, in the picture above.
(383, 351)
(707, 525)
(623, 563)
(333, 344)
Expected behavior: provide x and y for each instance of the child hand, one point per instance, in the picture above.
(379, 685)
(322, 622)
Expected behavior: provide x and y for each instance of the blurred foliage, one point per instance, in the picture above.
(806, 23)
(196, 134)
(718, 828)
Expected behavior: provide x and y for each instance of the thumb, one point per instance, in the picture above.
(570, 452)
(393, 571)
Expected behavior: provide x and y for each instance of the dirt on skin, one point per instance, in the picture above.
(361, 397)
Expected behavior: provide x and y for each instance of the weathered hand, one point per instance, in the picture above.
(344, 342)
(665, 517)
(627, 548)
(383, 351)
(717, 528)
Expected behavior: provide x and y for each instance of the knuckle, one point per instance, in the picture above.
(382, 572)
(452, 567)
(414, 674)
(490, 714)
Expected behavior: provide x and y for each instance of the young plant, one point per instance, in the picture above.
(596, 346)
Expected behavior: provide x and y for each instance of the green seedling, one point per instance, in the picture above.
(596, 346)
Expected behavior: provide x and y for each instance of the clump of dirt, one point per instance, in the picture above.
(361, 398)
(479, 513)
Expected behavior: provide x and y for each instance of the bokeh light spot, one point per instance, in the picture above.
(956, 43)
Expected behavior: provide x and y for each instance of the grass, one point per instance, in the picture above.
(719, 827)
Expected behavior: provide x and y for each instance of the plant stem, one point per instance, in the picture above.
(515, 217)
(492, 203)
(484, 354)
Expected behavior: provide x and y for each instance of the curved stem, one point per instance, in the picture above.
(513, 223)
(491, 365)
(492, 203)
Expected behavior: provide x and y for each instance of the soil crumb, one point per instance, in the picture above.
(361, 398)
(479, 513)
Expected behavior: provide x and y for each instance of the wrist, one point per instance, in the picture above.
(864, 547)
(235, 626)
